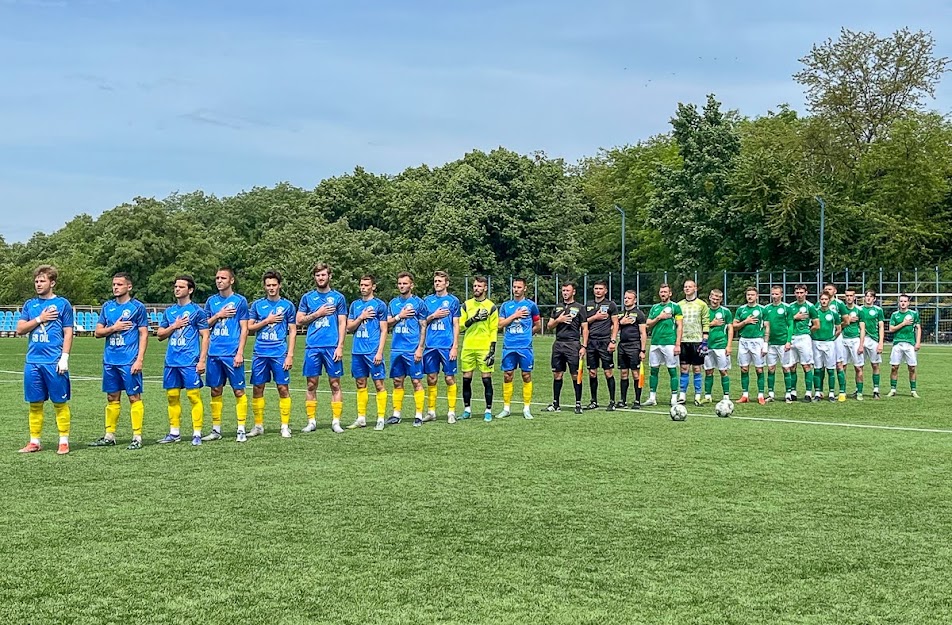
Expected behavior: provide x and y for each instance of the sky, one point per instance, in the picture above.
(102, 101)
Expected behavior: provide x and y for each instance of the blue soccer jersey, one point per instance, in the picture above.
(271, 341)
(184, 344)
(439, 332)
(518, 334)
(226, 334)
(46, 340)
(367, 335)
(323, 331)
(406, 332)
(122, 348)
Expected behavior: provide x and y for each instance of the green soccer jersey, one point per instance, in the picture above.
(829, 321)
(751, 330)
(803, 326)
(665, 332)
(872, 315)
(855, 315)
(717, 337)
(908, 333)
(781, 323)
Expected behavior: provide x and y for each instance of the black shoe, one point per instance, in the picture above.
(851, 395)
(620, 405)
(592, 405)
(103, 442)
(636, 405)
(876, 395)
(610, 407)
(682, 400)
(817, 398)
(807, 399)
(578, 408)
(553, 407)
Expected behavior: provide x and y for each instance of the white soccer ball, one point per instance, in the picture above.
(724, 408)
(678, 412)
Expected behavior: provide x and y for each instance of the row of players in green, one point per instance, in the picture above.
(822, 339)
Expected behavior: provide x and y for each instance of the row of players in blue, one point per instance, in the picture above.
(210, 341)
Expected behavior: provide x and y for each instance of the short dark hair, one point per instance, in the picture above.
(749, 289)
(321, 267)
(187, 279)
(367, 276)
(871, 292)
(776, 286)
(569, 283)
(122, 274)
(230, 271)
(632, 291)
(519, 279)
(664, 285)
(405, 274)
(849, 289)
(271, 274)
(801, 287)
(902, 295)
(603, 283)
(481, 280)
(441, 274)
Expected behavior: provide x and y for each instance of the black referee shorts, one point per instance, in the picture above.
(597, 355)
(629, 355)
(565, 355)
(689, 354)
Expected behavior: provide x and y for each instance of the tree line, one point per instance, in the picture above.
(719, 191)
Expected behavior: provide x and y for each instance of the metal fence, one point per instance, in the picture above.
(930, 290)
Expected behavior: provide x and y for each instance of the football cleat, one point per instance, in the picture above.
(393, 420)
(876, 395)
(807, 399)
(488, 416)
(914, 394)
(359, 422)
(467, 413)
(63, 449)
(592, 405)
(743, 399)
(310, 427)
(816, 398)
(891, 393)
(697, 400)
(578, 408)
(417, 422)
(214, 435)
(503, 414)
(841, 397)
(553, 407)
(335, 427)
(451, 418)
(610, 407)
(429, 416)
(762, 401)
(134, 445)
(853, 395)
(380, 425)
(102, 442)
(831, 397)
(650, 402)
(636, 405)
(621, 405)
(197, 440)
(285, 431)
(526, 414)
(30, 448)
(169, 438)
(257, 430)
(859, 397)
(241, 437)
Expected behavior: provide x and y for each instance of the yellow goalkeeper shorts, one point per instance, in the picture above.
(473, 359)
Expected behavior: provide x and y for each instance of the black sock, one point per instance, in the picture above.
(611, 389)
(637, 392)
(593, 387)
(488, 388)
(467, 391)
(624, 390)
(556, 391)
(578, 392)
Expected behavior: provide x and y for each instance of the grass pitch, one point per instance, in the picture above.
(622, 517)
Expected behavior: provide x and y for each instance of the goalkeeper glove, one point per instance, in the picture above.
(491, 356)
(63, 365)
(703, 349)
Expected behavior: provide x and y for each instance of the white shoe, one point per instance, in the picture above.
(429, 416)
(526, 414)
(310, 427)
(214, 435)
(674, 399)
(891, 393)
(914, 394)
(505, 413)
(650, 402)
(257, 430)
(242, 437)
(359, 422)
(451, 418)
(380, 425)
(285, 432)
(335, 427)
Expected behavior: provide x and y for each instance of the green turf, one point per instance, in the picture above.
(601, 518)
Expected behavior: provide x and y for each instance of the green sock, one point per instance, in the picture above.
(818, 380)
(675, 374)
(893, 383)
(841, 378)
(912, 385)
(831, 374)
(708, 384)
(859, 388)
(876, 378)
(726, 384)
(760, 381)
(771, 380)
(745, 380)
(786, 381)
(793, 381)
(653, 380)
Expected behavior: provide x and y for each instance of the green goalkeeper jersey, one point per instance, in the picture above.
(717, 337)
(695, 321)
(752, 330)
(781, 323)
(480, 335)
(855, 315)
(665, 332)
(872, 315)
(803, 326)
(829, 322)
(908, 333)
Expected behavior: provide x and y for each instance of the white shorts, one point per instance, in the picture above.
(776, 354)
(903, 352)
(851, 346)
(824, 354)
(717, 359)
(750, 352)
(801, 350)
(664, 355)
(870, 348)
(840, 348)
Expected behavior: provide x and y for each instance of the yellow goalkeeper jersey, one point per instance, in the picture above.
(480, 334)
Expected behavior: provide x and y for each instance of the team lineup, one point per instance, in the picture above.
(440, 335)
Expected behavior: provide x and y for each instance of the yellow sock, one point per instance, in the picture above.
(175, 408)
(257, 407)
(36, 420)
(310, 409)
(431, 398)
(363, 398)
(418, 398)
(198, 409)
(218, 404)
(241, 410)
(284, 406)
(398, 400)
(112, 416)
(62, 418)
(507, 393)
(337, 407)
(451, 397)
(381, 404)
(137, 412)
(527, 393)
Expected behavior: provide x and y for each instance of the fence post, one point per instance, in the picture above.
(880, 284)
(465, 288)
(489, 286)
(609, 296)
(725, 288)
(638, 286)
(585, 288)
(665, 276)
(536, 298)
(557, 290)
(784, 279)
(937, 304)
(757, 282)
(862, 287)
(847, 285)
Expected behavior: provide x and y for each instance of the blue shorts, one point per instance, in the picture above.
(317, 360)
(436, 358)
(118, 378)
(266, 368)
(221, 369)
(362, 366)
(522, 358)
(402, 364)
(181, 377)
(41, 382)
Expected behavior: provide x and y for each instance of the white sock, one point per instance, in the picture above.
(174, 432)
(197, 432)
(64, 440)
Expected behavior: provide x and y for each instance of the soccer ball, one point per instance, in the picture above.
(724, 408)
(678, 412)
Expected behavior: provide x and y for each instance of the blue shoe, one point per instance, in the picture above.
(196, 440)
(488, 417)
(169, 438)
(393, 420)
(466, 414)
(417, 422)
